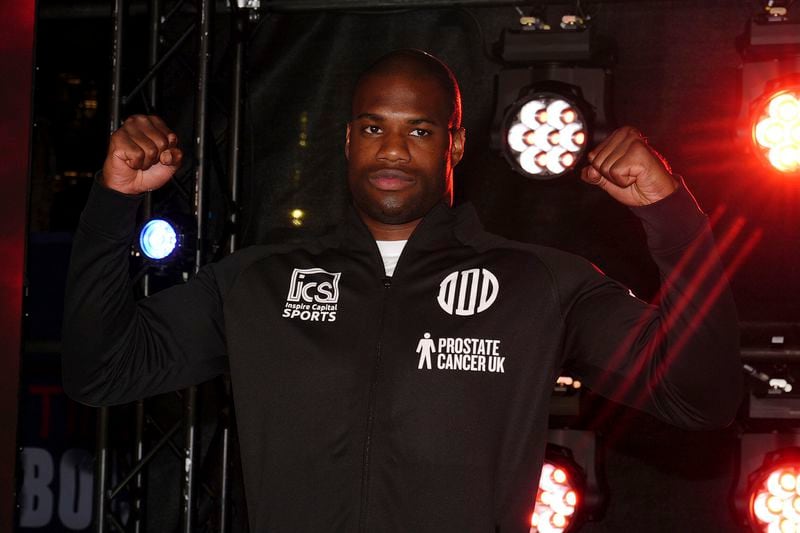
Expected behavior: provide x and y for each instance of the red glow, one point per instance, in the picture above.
(701, 275)
(716, 291)
(635, 331)
(16, 64)
(743, 252)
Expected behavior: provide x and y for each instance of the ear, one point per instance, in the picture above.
(347, 143)
(457, 145)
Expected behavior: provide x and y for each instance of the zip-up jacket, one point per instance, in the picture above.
(412, 403)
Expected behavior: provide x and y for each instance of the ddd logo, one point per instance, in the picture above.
(314, 285)
(468, 292)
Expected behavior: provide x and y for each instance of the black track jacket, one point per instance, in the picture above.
(412, 404)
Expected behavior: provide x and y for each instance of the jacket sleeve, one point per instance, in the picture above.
(115, 349)
(676, 358)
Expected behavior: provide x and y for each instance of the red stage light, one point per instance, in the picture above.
(775, 499)
(556, 500)
(776, 130)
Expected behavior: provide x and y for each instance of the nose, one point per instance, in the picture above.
(394, 148)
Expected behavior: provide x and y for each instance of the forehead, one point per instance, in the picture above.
(401, 94)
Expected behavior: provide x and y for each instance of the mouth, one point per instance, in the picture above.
(390, 179)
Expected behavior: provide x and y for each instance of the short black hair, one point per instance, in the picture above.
(419, 64)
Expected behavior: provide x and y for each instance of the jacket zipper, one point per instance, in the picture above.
(365, 466)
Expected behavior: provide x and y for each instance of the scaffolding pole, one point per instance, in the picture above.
(101, 454)
(205, 13)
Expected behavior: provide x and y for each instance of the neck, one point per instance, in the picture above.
(390, 232)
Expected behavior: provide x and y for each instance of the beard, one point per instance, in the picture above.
(398, 207)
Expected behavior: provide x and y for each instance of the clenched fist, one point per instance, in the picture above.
(629, 170)
(142, 155)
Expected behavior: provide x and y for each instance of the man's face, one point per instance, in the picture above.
(400, 148)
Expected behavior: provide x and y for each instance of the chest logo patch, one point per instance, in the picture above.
(457, 353)
(468, 292)
(313, 295)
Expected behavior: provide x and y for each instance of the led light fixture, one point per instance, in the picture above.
(766, 497)
(775, 504)
(775, 495)
(552, 94)
(545, 135)
(776, 130)
(769, 119)
(158, 240)
(556, 499)
(570, 492)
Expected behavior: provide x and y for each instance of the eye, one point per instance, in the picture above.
(372, 130)
(420, 132)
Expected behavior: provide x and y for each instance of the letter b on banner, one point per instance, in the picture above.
(37, 499)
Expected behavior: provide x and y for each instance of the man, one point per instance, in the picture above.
(343, 426)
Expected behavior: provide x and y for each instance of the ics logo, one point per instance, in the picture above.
(313, 295)
(468, 292)
(314, 285)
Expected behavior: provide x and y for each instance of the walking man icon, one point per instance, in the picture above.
(425, 346)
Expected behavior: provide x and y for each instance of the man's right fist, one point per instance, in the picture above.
(142, 155)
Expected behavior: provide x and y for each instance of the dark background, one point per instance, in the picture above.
(676, 77)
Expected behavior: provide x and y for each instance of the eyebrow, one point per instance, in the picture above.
(380, 118)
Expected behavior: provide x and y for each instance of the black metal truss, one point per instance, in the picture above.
(104, 518)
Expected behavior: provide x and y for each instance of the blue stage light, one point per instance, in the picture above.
(158, 239)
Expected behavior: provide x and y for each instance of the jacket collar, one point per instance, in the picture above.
(442, 226)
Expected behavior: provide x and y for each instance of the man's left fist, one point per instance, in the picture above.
(629, 170)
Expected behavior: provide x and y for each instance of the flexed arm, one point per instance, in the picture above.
(115, 349)
(676, 358)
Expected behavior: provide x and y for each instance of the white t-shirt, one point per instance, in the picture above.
(390, 252)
